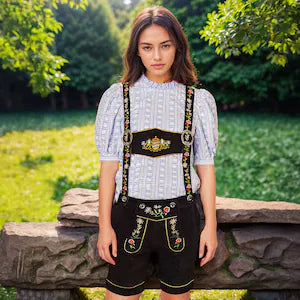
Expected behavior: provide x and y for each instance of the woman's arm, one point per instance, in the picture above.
(107, 185)
(207, 177)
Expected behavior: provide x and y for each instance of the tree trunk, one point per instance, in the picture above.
(84, 100)
(65, 98)
(53, 102)
(7, 97)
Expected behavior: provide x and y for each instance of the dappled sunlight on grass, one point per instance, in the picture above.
(38, 167)
(153, 294)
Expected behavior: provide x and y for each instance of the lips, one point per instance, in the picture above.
(159, 66)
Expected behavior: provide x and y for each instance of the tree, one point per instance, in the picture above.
(90, 40)
(240, 26)
(26, 39)
(237, 80)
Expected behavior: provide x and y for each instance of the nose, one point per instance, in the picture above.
(157, 54)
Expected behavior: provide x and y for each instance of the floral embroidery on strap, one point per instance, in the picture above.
(187, 140)
(127, 140)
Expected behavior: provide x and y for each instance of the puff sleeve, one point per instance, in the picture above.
(108, 124)
(206, 128)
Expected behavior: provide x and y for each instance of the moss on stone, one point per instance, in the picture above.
(84, 249)
(270, 267)
(226, 271)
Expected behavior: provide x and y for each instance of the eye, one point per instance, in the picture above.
(146, 47)
(168, 46)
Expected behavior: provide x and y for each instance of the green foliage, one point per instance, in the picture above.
(244, 26)
(237, 80)
(122, 11)
(258, 157)
(27, 34)
(131, 15)
(7, 293)
(90, 40)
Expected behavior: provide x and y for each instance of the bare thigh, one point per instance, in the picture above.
(167, 296)
(112, 296)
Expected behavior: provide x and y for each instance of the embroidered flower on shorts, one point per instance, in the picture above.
(157, 210)
(148, 210)
(173, 221)
(135, 232)
(166, 209)
(174, 231)
(178, 241)
(139, 221)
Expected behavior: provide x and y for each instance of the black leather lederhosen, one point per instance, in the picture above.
(169, 227)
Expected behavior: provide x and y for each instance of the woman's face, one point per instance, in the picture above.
(156, 47)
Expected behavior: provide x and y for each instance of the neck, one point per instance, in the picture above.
(161, 79)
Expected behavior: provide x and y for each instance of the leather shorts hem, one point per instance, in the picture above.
(176, 289)
(124, 290)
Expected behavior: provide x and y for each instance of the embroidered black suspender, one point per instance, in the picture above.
(187, 140)
(156, 142)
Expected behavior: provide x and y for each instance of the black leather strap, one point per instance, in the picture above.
(127, 138)
(188, 141)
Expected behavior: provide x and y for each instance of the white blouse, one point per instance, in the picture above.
(156, 105)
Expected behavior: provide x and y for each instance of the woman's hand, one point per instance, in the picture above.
(107, 237)
(208, 238)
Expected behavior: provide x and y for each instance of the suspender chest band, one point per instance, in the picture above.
(156, 142)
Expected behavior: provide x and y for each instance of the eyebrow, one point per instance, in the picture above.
(160, 43)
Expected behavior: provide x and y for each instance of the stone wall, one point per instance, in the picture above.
(258, 249)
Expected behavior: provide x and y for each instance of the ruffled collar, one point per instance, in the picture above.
(143, 81)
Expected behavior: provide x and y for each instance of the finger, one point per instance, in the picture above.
(203, 262)
(208, 256)
(101, 253)
(201, 248)
(107, 255)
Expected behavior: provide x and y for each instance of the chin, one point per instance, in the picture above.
(162, 71)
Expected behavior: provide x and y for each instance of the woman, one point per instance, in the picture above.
(157, 125)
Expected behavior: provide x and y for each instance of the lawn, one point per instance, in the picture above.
(45, 154)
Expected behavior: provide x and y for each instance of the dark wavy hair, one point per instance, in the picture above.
(183, 70)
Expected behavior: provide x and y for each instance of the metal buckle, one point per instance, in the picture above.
(185, 136)
(124, 199)
(190, 197)
(125, 137)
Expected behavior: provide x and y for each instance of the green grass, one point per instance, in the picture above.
(99, 293)
(258, 157)
(45, 154)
